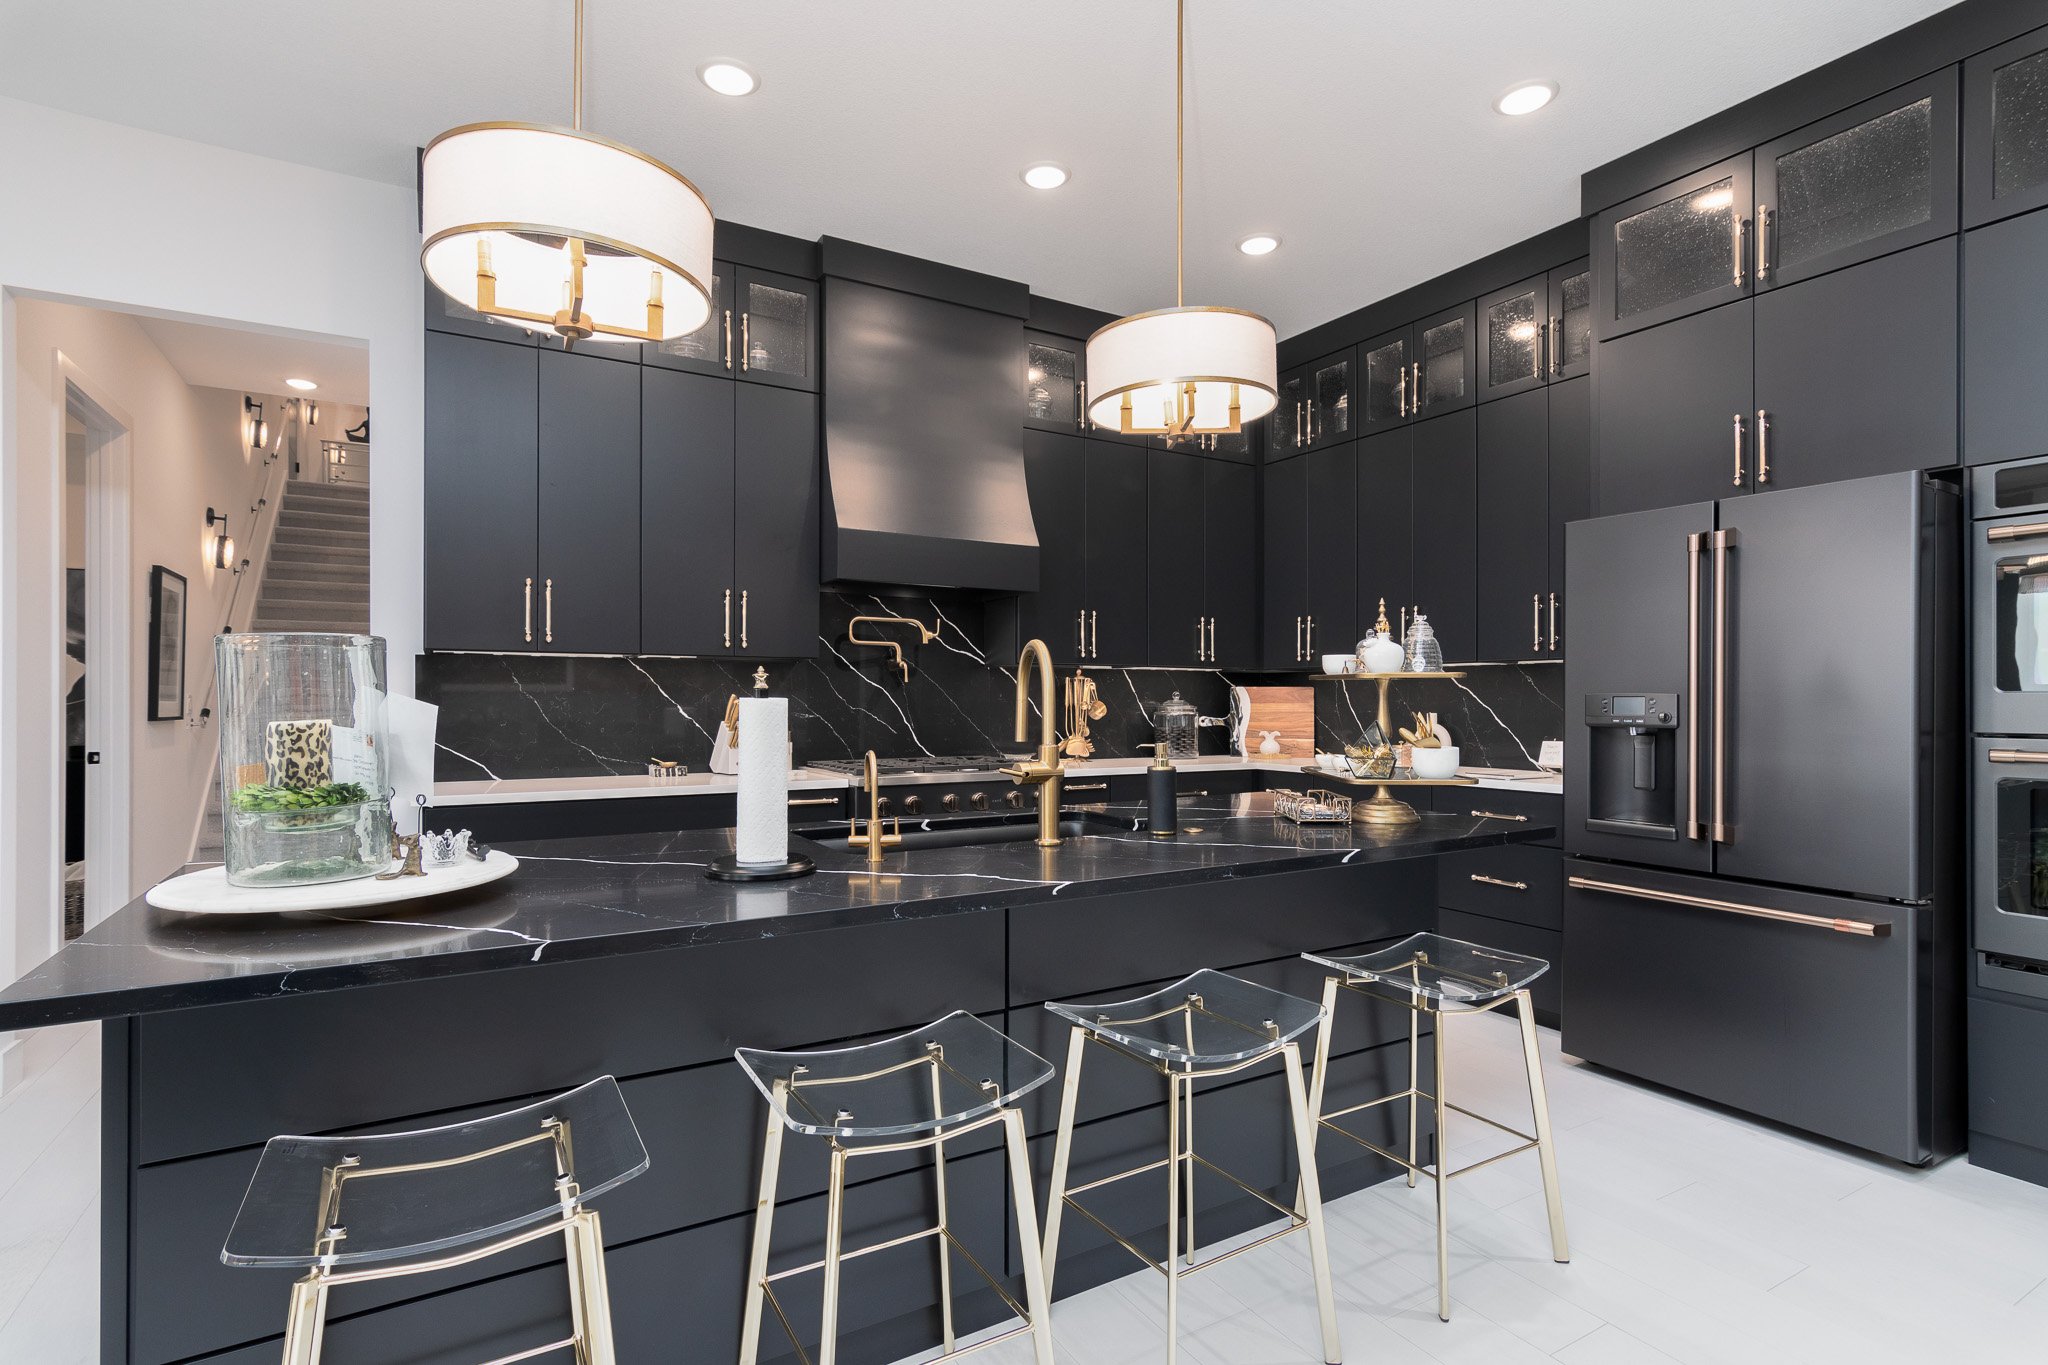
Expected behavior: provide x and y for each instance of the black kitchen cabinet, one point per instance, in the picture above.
(1284, 584)
(1672, 412)
(1317, 402)
(1423, 370)
(686, 513)
(1571, 492)
(589, 484)
(1230, 563)
(1535, 332)
(1875, 178)
(2005, 334)
(1674, 251)
(1054, 374)
(777, 317)
(1385, 379)
(444, 314)
(1386, 525)
(1512, 568)
(1446, 530)
(1571, 320)
(482, 493)
(1284, 426)
(775, 542)
(2005, 130)
(1055, 473)
(709, 349)
(1240, 446)
(1116, 546)
(1331, 597)
(1856, 371)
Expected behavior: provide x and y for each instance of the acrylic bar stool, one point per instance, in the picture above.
(1439, 976)
(917, 1090)
(1209, 1024)
(353, 1209)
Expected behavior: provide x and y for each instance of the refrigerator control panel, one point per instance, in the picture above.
(1633, 710)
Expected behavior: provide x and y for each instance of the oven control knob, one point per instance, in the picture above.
(950, 801)
(1664, 717)
(913, 804)
(979, 800)
(883, 804)
(1014, 799)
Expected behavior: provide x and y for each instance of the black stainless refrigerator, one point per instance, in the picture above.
(1763, 755)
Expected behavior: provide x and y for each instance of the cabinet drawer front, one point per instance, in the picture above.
(1546, 992)
(1515, 808)
(1790, 1021)
(1518, 882)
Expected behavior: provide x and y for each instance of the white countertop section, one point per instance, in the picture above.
(528, 789)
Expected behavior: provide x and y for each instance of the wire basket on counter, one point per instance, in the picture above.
(1313, 807)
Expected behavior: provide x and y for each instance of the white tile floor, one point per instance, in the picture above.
(1697, 1237)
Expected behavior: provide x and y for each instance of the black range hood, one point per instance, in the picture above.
(923, 415)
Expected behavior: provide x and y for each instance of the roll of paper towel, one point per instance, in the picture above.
(763, 836)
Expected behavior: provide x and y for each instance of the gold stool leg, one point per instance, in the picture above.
(1443, 1179)
(945, 1227)
(1036, 1301)
(1318, 1082)
(764, 1221)
(1312, 1199)
(1173, 1176)
(590, 1305)
(835, 1232)
(1546, 1149)
(1062, 1155)
(306, 1323)
(1414, 1079)
(1187, 1187)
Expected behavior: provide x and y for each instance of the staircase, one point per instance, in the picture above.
(318, 577)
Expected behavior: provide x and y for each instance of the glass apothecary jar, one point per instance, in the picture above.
(1173, 724)
(303, 757)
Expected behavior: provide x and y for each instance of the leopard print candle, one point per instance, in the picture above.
(298, 753)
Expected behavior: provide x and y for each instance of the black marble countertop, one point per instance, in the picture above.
(583, 898)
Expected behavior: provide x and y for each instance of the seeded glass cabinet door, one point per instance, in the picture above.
(1286, 427)
(1444, 375)
(1570, 352)
(1873, 179)
(709, 349)
(1514, 336)
(1326, 401)
(2005, 130)
(777, 317)
(1387, 381)
(1053, 375)
(1677, 250)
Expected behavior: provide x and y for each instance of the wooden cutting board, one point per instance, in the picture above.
(1291, 711)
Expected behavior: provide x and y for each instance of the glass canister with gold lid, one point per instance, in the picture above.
(1173, 724)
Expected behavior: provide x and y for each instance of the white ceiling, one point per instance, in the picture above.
(210, 357)
(1360, 131)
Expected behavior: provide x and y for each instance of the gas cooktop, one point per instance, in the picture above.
(920, 765)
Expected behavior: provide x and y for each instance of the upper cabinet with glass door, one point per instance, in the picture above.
(1871, 180)
(2005, 130)
(1676, 250)
(1053, 382)
(1314, 407)
(777, 321)
(1444, 372)
(1536, 332)
(709, 349)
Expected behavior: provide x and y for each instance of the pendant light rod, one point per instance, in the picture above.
(1180, 19)
(576, 85)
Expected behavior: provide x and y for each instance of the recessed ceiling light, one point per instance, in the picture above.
(1259, 244)
(302, 385)
(729, 78)
(1045, 175)
(1526, 98)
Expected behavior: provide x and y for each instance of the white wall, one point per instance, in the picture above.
(105, 214)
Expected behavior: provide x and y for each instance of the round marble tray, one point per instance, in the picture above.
(207, 892)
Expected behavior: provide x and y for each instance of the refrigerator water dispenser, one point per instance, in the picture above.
(1632, 780)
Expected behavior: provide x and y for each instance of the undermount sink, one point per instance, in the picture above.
(968, 831)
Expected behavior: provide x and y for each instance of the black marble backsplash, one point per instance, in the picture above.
(532, 715)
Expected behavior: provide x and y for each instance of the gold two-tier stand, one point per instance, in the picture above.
(1383, 807)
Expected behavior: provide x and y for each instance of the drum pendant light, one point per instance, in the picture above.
(1182, 371)
(565, 232)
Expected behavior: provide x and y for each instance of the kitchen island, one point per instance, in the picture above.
(618, 956)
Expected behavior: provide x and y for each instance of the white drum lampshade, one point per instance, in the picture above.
(507, 209)
(1188, 371)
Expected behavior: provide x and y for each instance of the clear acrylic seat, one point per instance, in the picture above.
(1209, 1019)
(952, 1071)
(1449, 973)
(340, 1201)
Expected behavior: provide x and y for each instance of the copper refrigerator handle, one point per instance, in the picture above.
(1862, 927)
(1693, 545)
(1724, 541)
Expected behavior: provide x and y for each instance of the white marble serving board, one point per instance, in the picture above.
(207, 892)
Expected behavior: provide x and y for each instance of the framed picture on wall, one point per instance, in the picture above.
(166, 644)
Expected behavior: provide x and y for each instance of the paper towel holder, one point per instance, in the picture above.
(727, 867)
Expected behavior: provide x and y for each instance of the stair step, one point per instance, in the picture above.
(294, 519)
(318, 575)
(320, 488)
(292, 551)
(340, 540)
(326, 604)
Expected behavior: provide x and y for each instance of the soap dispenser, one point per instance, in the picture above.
(1161, 796)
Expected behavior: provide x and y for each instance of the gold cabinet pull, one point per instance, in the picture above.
(1094, 635)
(728, 350)
(1401, 393)
(548, 615)
(1297, 639)
(728, 618)
(1535, 622)
(1496, 815)
(744, 360)
(1695, 546)
(1741, 230)
(1763, 242)
(1212, 639)
(529, 611)
(2024, 532)
(1201, 642)
(1081, 633)
(2018, 756)
(1556, 331)
(1861, 927)
(1499, 881)
(1086, 786)
(1737, 480)
(1415, 404)
(1763, 446)
(1553, 623)
(1724, 541)
(743, 618)
(813, 800)
(1310, 651)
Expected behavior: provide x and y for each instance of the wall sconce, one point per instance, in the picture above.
(259, 429)
(312, 414)
(223, 543)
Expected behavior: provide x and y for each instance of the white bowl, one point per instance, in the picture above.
(1340, 663)
(1435, 764)
(1331, 763)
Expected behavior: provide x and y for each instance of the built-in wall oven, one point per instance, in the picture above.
(2009, 586)
(2010, 879)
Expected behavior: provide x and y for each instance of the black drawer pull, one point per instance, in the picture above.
(1864, 928)
(1496, 815)
(1500, 881)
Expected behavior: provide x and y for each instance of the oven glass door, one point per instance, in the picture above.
(2011, 572)
(2012, 848)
